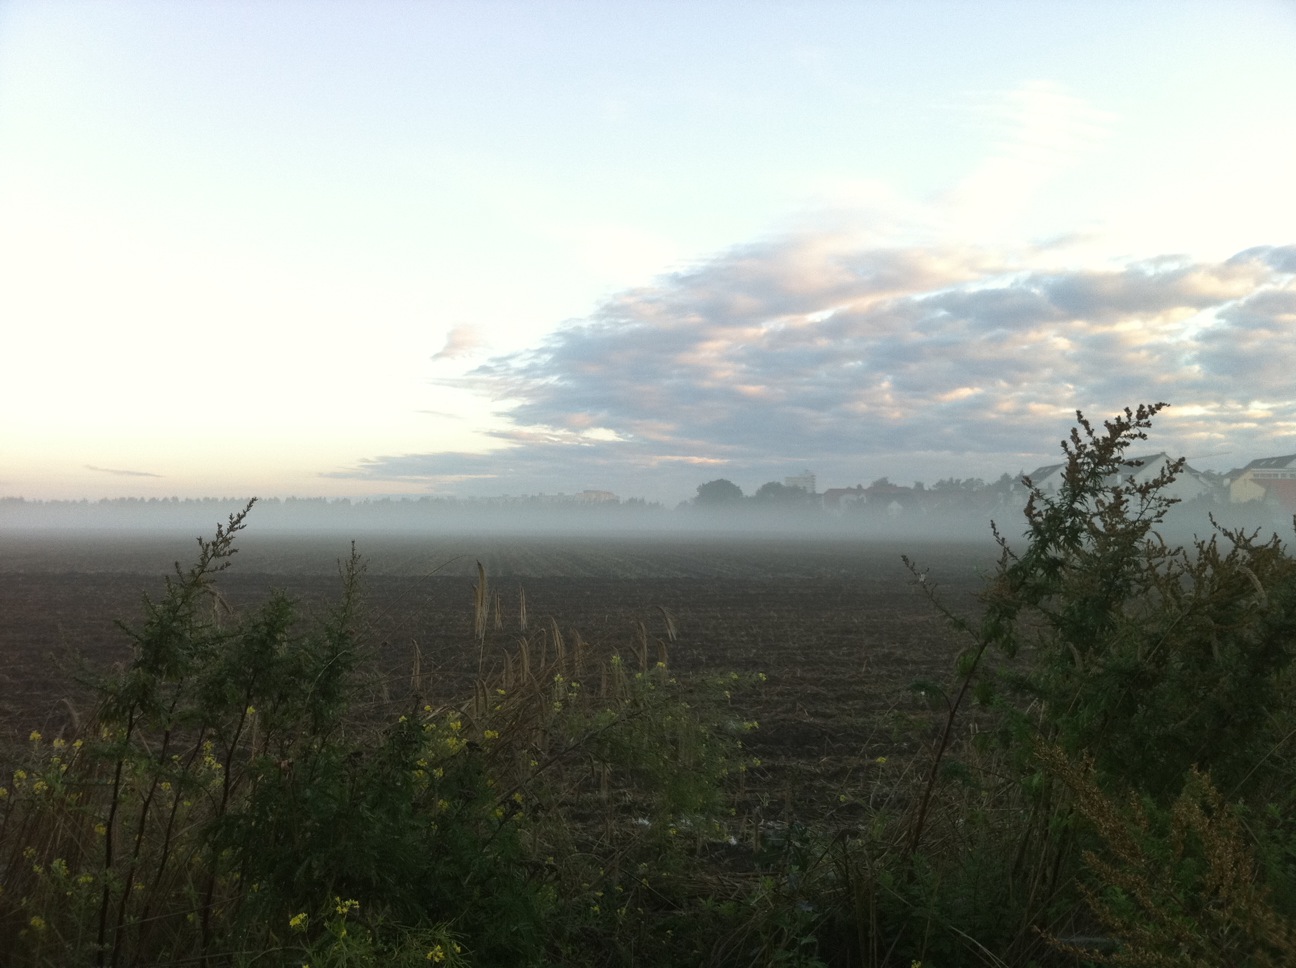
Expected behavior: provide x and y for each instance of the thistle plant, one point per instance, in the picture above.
(1169, 669)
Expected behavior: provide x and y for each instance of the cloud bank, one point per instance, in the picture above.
(856, 360)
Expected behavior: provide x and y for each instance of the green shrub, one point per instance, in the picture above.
(242, 799)
(1169, 669)
(1155, 659)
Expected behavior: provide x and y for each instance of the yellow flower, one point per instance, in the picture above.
(37, 922)
(437, 954)
(299, 922)
(490, 734)
(345, 907)
(35, 736)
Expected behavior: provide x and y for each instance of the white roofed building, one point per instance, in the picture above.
(1187, 486)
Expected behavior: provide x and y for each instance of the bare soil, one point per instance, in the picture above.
(841, 629)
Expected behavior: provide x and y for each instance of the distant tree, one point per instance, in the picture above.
(881, 482)
(774, 493)
(718, 493)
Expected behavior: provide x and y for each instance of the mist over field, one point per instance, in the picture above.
(404, 530)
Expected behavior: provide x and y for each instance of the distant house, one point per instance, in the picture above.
(804, 480)
(839, 499)
(1268, 479)
(1188, 485)
(1048, 478)
(891, 498)
(597, 497)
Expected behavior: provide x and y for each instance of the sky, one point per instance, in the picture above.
(485, 248)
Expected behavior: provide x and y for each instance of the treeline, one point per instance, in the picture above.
(881, 507)
(950, 494)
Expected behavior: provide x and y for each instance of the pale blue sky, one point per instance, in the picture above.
(486, 248)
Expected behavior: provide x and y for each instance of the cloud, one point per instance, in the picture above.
(460, 341)
(834, 354)
(1039, 130)
(1254, 338)
(120, 473)
(1149, 289)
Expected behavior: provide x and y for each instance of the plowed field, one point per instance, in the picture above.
(841, 629)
